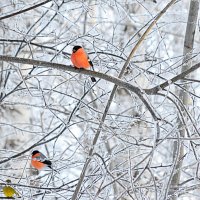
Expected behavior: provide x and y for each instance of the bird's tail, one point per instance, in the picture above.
(92, 78)
(52, 168)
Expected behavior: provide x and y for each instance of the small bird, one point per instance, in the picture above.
(8, 190)
(39, 161)
(80, 59)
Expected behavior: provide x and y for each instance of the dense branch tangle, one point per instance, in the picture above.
(76, 102)
(117, 81)
(114, 80)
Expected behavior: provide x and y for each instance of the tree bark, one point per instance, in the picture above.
(183, 96)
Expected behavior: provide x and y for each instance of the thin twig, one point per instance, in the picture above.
(24, 10)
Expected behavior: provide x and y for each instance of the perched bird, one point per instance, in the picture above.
(8, 190)
(39, 161)
(80, 59)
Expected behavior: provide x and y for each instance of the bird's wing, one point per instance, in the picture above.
(47, 162)
(40, 157)
(89, 61)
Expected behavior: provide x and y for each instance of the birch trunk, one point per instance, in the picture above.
(183, 96)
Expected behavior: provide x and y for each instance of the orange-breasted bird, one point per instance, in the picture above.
(80, 59)
(39, 161)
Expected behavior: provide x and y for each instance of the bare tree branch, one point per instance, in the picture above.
(24, 10)
(180, 76)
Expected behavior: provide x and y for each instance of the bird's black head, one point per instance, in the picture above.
(75, 48)
(35, 152)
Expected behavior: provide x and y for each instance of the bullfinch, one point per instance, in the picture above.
(39, 161)
(80, 59)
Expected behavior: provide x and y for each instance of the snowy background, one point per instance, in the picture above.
(60, 113)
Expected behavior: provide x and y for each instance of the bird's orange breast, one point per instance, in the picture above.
(37, 164)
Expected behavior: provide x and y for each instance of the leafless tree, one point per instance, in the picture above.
(134, 134)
